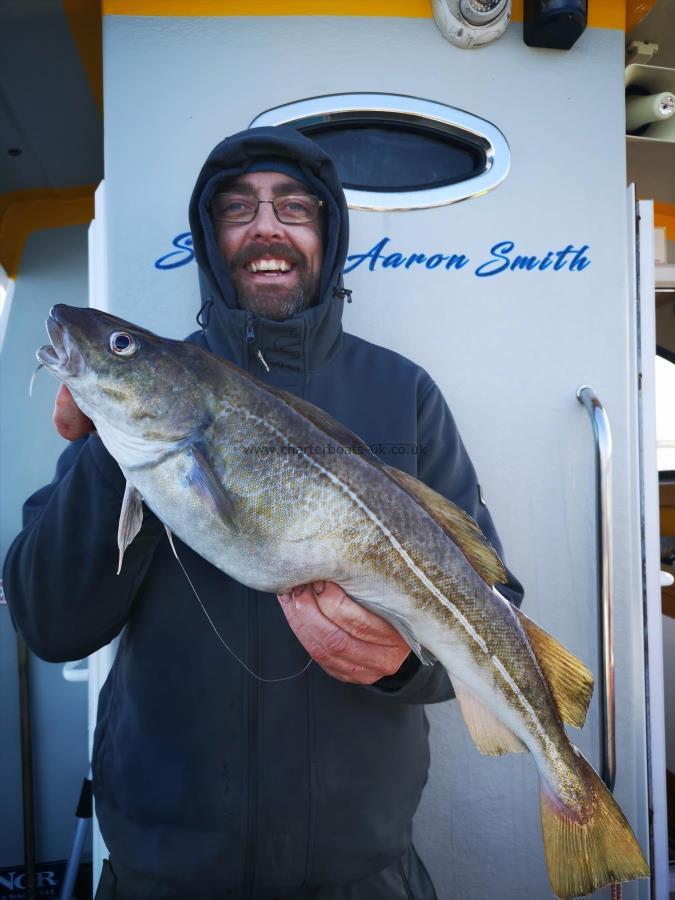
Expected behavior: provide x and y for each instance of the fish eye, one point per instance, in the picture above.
(122, 343)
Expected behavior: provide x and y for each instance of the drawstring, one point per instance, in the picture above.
(204, 314)
(343, 294)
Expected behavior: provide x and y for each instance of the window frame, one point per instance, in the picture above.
(416, 114)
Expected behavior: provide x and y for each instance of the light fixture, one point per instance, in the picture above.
(471, 23)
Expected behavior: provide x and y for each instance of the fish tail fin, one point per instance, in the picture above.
(590, 849)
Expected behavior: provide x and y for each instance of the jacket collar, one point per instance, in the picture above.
(302, 344)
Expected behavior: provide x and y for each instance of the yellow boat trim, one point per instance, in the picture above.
(602, 13)
(664, 217)
(23, 212)
(412, 9)
(84, 20)
(636, 10)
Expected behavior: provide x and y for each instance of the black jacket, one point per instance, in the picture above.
(203, 776)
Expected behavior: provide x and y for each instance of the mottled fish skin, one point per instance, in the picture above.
(188, 430)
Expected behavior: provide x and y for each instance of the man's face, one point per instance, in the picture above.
(274, 294)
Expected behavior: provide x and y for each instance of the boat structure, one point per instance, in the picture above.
(510, 171)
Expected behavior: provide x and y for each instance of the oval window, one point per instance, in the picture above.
(374, 157)
(394, 152)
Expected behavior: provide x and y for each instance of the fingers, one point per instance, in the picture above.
(358, 621)
(71, 423)
(340, 653)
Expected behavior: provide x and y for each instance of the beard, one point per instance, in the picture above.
(272, 300)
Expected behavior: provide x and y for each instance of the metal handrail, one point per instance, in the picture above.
(603, 474)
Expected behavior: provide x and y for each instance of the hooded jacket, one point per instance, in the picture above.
(204, 777)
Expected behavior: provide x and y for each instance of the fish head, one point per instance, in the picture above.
(142, 392)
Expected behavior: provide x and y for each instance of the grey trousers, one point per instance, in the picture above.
(406, 879)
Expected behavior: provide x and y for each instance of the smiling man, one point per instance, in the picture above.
(278, 780)
(275, 268)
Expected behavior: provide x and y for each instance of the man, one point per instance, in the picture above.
(210, 782)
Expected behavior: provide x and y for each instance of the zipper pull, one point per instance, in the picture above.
(250, 338)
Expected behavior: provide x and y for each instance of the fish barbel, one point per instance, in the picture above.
(187, 429)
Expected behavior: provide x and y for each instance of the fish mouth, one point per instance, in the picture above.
(61, 356)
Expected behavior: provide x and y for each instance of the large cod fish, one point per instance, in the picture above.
(181, 424)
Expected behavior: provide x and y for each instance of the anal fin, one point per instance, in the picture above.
(489, 734)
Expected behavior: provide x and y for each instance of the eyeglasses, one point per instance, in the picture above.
(290, 209)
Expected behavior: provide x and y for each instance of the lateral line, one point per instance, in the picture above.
(525, 704)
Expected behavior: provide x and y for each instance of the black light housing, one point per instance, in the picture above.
(555, 24)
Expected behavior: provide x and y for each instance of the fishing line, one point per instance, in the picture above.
(219, 636)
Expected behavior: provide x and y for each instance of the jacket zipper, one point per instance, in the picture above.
(250, 339)
(250, 330)
(253, 703)
(253, 767)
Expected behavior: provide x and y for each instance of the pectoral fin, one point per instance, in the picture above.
(131, 519)
(489, 734)
(204, 480)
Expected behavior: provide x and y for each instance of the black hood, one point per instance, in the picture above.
(226, 325)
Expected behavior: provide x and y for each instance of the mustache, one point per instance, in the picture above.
(277, 249)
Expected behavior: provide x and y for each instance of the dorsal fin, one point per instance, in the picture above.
(457, 524)
(571, 681)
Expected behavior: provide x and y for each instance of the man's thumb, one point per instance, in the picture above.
(71, 423)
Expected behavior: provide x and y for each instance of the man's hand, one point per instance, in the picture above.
(71, 423)
(348, 641)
